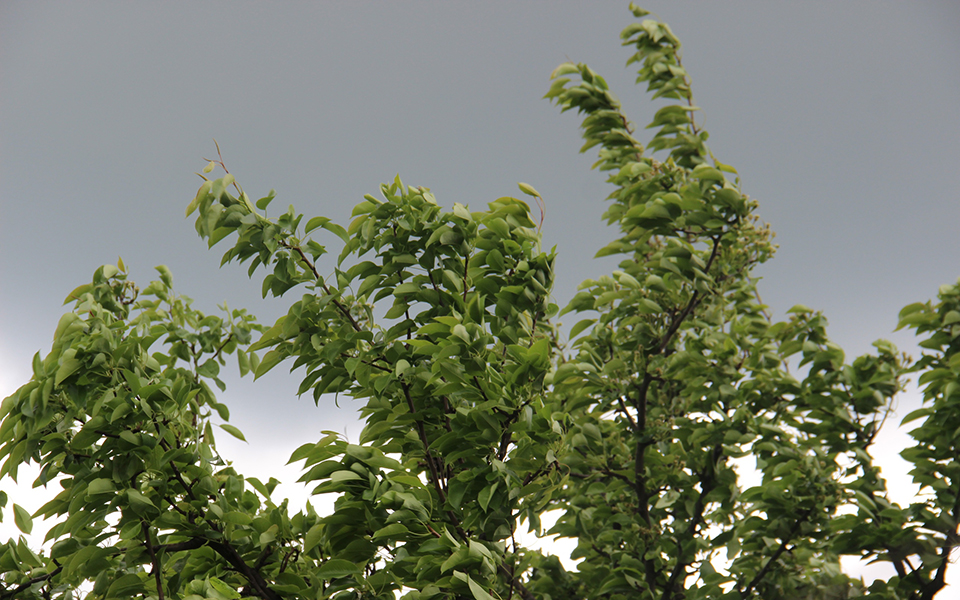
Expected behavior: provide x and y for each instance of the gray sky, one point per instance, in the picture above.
(841, 118)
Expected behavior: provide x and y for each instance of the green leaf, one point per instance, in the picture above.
(478, 592)
(233, 431)
(223, 589)
(396, 311)
(917, 414)
(237, 518)
(337, 567)
(344, 475)
(64, 547)
(580, 326)
(406, 288)
(462, 212)
(483, 498)
(125, 586)
(75, 295)
(325, 223)
(394, 530)
(313, 537)
(22, 518)
(165, 275)
(139, 502)
(314, 223)
(338, 231)
(101, 486)
(201, 194)
(527, 189)
(269, 361)
(264, 202)
(68, 365)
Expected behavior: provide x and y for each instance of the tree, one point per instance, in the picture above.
(479, 417)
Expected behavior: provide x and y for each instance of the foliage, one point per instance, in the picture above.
(478, 418)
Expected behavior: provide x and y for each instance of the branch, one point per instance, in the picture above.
(436, 289)
(639, 458)
(708, 481)
(466, 267)
(776, 555)
(191, 544)
(434, 473)
(515, 582)
(691, 304)
(639, 474)
(257, 582)
(435, 480)
(225, 342)
(623, 409)
(176, 473)
(15, 592)
(153, 558)
(939, 580)
(606, 471)
(326, 289)
(431, 463)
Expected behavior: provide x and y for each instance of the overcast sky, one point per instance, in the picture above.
(841, 118)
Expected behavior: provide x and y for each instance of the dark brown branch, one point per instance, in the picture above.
(476, 381)
(600, 551)
(176, 472)
(432, 464)
(606, 471)
(191, 544)
(155, 562)
(639, 474)
(639, 458)
(436, 289)
(294, 554)
(531, 476)
(422, 432)
(776, 555)
(505, 440)
(15, 592)
(326, 289)
(220, 348)
(708, 481)
(447, 410)
(643, 388)
(939, 580)
(264, 556)
(466, 267)
(508, 572)
(901, 571)
(623, 409)
(368, 363)
(691, 304)
(435, 480)
(257, 582)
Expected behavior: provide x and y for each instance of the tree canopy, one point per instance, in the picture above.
(481, 413)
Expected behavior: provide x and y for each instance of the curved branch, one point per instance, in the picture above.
(14, 593)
